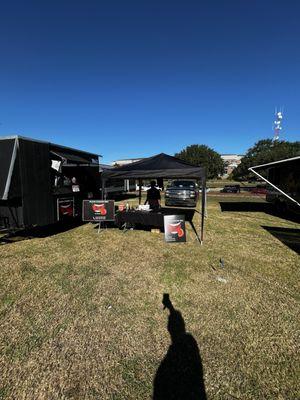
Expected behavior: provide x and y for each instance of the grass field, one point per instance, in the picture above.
(81, 314)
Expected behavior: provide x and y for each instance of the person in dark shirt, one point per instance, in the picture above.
(153, 197)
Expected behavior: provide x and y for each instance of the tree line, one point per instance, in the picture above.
(263, 152)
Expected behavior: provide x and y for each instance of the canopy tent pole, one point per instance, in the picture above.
(140, 191)
(103, 197)
(203, 207)
(206, 214)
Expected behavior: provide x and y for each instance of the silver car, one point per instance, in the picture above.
(182, 193)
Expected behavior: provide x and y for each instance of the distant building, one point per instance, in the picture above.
(231, 162)
(125, 161)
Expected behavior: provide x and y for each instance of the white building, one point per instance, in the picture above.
(125, 161)
(231, 162)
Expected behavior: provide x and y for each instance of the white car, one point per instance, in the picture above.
(147, 187)
(207, 190)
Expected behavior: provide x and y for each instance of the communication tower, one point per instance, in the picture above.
(277, 124)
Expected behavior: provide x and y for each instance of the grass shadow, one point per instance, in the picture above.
(245, 206)
(180, 374)
(40, 231)
(288, 236)
(253, 206)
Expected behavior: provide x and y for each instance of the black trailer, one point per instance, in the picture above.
(283, 180)
(42, 183)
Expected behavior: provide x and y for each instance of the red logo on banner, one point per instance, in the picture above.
(176, 229)
(66, 209)
(99, 209)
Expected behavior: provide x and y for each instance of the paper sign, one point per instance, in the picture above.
(174, 228)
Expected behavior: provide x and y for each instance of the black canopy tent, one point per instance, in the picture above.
(160, 166)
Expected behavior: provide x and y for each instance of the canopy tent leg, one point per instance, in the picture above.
(195, 230)
(206, 214)
(140, 191)
(203, 209)
(103, 196)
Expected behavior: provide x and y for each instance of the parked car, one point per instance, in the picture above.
(259, 189)
(182, 193)
(231, 189)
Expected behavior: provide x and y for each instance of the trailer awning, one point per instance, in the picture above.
(292, 163)
(73, 158)
(288, 161)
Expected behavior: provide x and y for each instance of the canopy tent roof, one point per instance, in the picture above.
(158, 166)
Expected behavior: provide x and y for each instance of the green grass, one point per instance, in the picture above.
(81, 315)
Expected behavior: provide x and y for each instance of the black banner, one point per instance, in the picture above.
(174, 228)
(65, 208)
(98, 210)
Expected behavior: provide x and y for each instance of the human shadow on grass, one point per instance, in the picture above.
(180, 374)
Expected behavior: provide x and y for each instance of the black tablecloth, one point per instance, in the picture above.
(150, 218)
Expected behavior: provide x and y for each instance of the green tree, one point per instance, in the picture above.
(203, 156)
(263, 152)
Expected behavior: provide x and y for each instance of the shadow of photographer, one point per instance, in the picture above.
(180, 374)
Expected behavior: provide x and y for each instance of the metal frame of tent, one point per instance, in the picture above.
(161, 166)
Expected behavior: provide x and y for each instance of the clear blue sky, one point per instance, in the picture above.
(132, 78)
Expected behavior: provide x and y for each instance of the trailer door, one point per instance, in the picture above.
(38, 203)
(8, 151)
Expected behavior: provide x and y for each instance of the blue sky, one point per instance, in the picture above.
(134, 78)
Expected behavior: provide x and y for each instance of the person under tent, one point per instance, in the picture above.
(153, 197)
